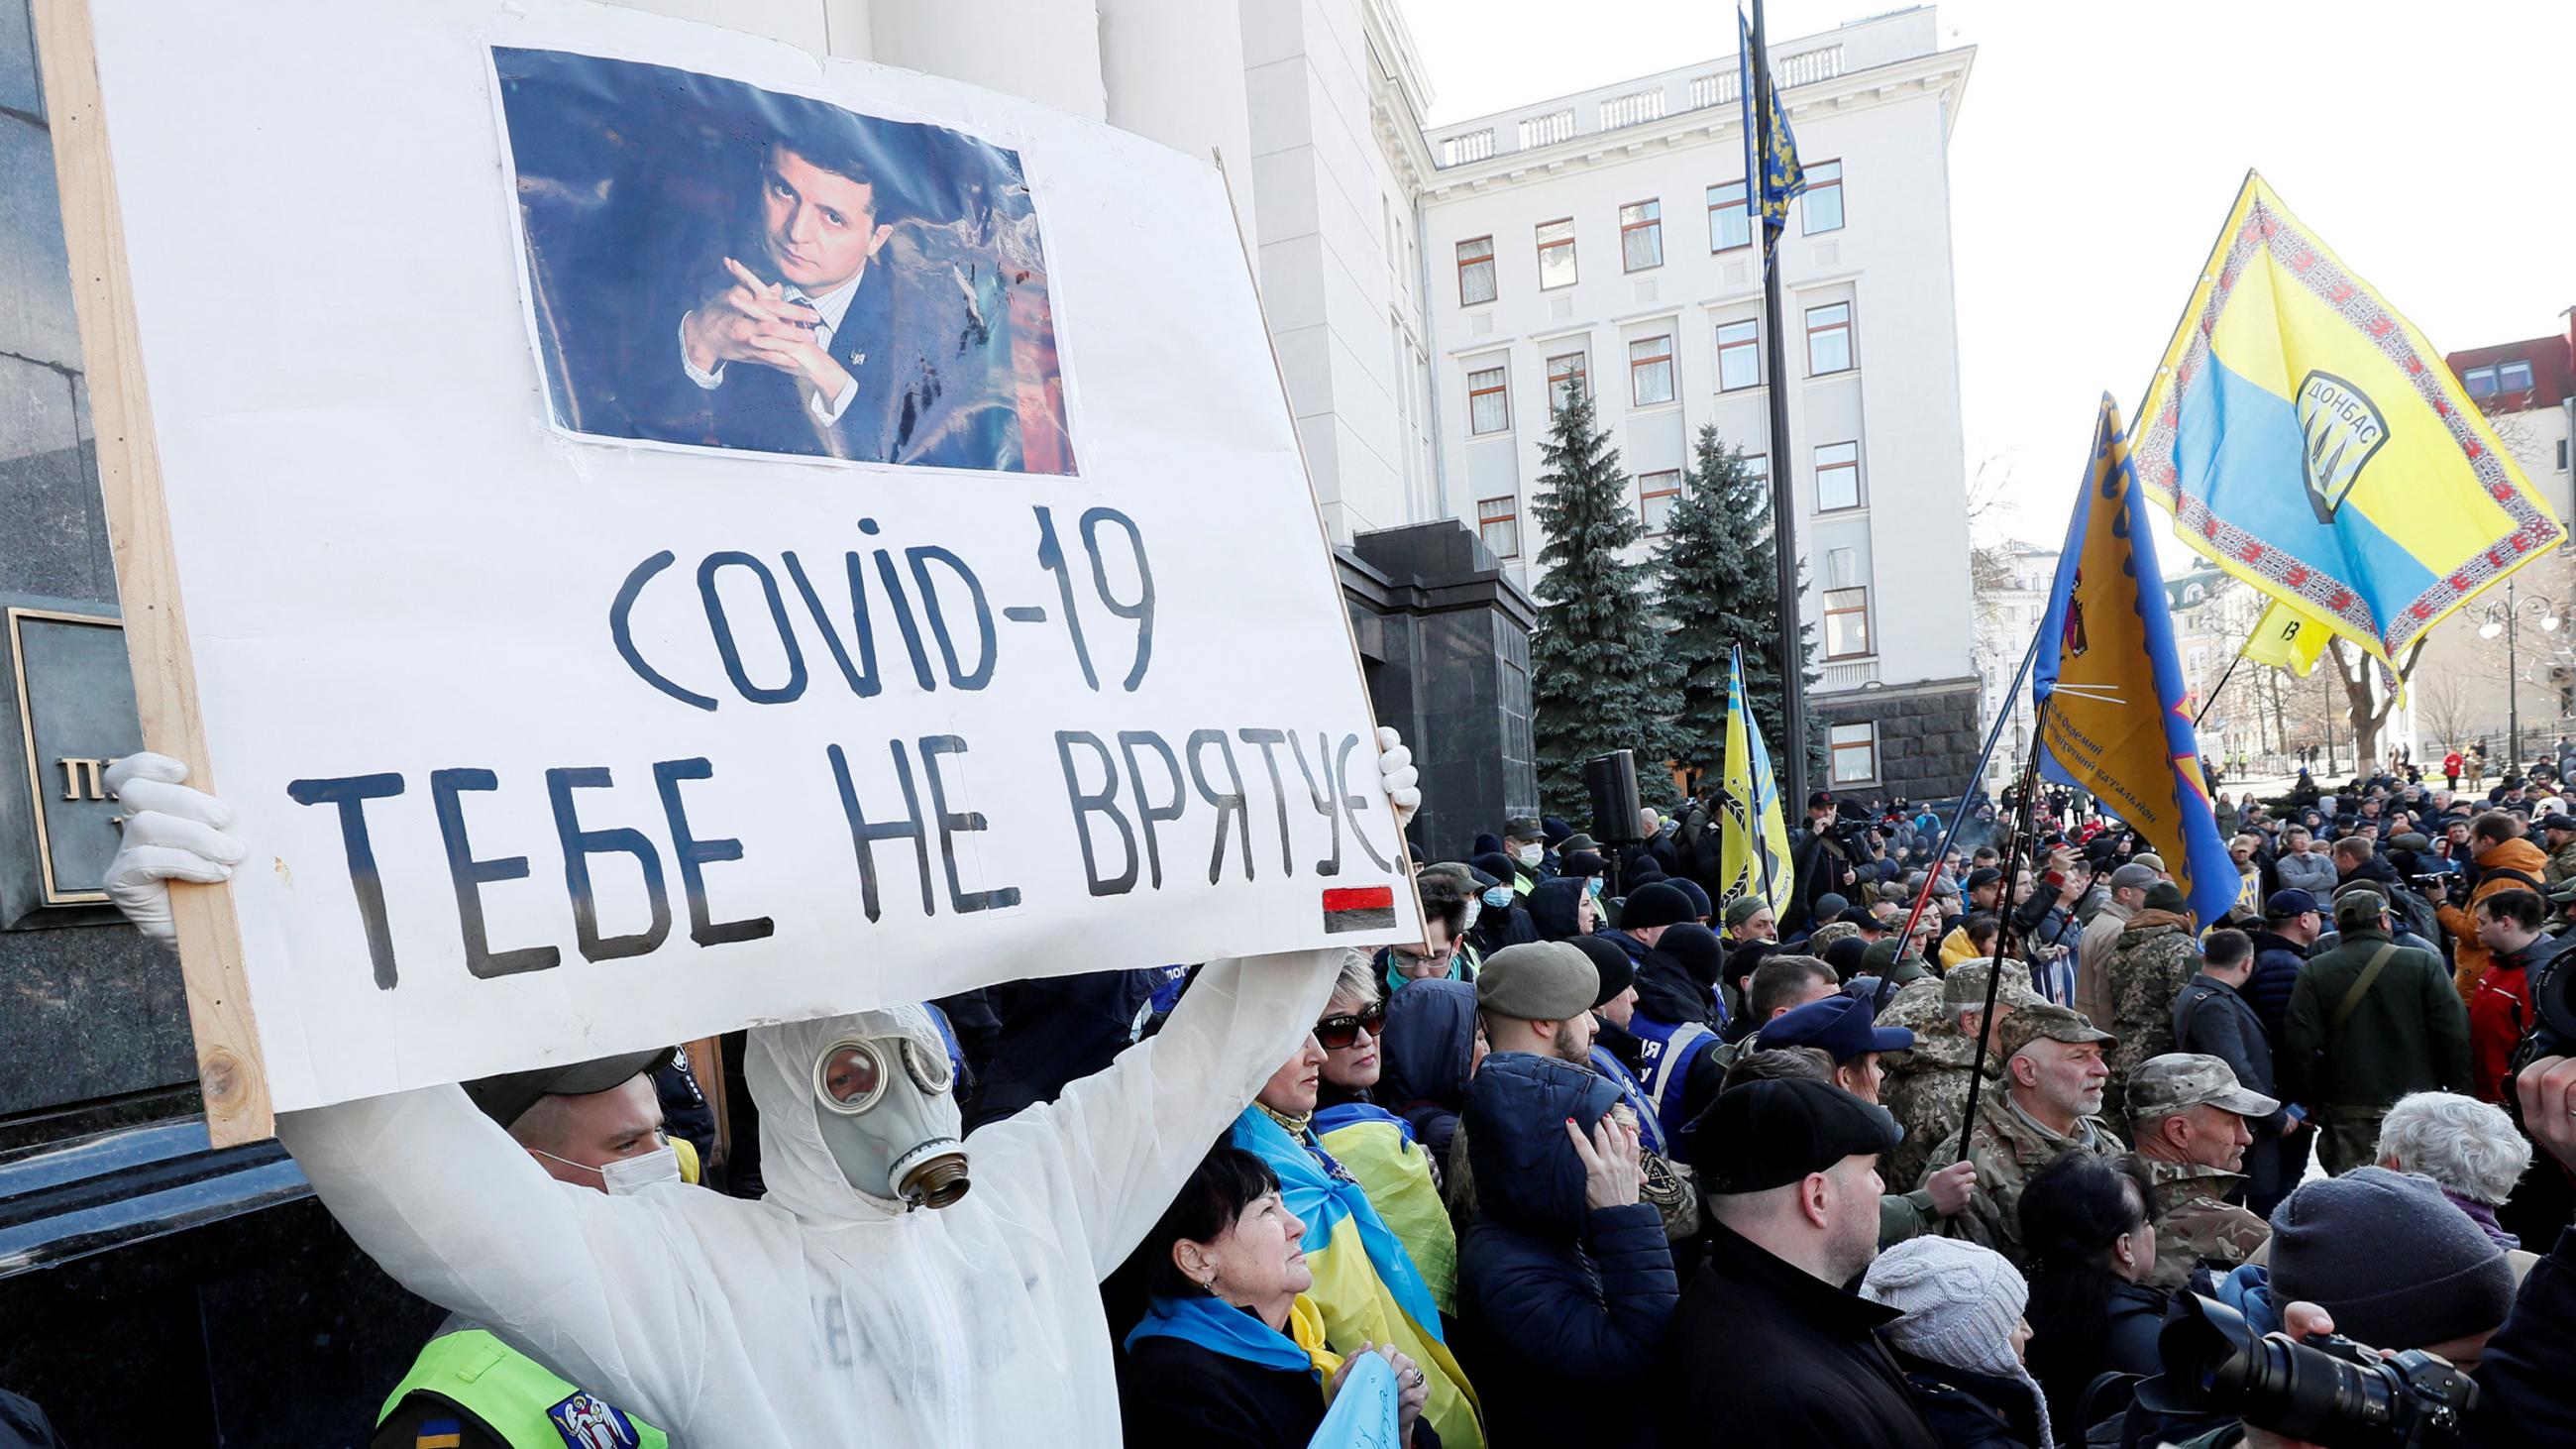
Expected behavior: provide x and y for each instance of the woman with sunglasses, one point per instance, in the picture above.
(1366, 1285)
(1376, 1146)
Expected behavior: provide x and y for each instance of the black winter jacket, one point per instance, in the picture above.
(2523, 1376)
(1763, 1353)
(1971, 1410)
(2210, 1017)
(2277, 963)
(1562, 1307)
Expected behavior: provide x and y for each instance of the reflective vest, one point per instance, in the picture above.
(1666, 1053)
(518, 1398)
(1650, 1124)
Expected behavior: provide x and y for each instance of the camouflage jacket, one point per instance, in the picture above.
(1927, 1087)
(2562, 865)
(2156, 960)
(2198, 1224)
(2009, 1149)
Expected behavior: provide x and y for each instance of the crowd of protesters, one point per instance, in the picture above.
(1932, 1154)
(1703, 1163)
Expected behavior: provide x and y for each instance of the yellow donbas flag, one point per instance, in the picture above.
(2311, 442)
(1752, 838)
(2287, 639)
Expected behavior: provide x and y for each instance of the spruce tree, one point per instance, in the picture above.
(1719, 589)
(1598, 681)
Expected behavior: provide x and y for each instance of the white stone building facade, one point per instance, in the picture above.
(1603, 235)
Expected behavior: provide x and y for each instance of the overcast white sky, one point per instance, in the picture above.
(2098, 149)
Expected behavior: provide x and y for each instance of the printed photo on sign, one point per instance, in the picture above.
(710, 264)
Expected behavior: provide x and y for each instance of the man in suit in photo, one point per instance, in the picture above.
(804, 351)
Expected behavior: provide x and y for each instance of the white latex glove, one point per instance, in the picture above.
(171, 833)
(1395, 771)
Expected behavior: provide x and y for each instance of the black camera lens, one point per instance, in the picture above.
(2308, 1393)
(2325, 1391)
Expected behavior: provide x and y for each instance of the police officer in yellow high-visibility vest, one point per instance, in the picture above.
(596, 1125)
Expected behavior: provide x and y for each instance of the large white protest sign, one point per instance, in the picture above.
(675, 534)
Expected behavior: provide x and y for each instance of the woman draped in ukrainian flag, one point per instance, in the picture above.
(1366, 1286)
(1373, 1144)
(1231, 1350)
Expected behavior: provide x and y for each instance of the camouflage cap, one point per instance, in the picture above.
(2179, 1081)
(1965, 987)
(2358, 908)
(2046, 1019)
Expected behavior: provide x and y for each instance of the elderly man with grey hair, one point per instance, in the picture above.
(2468, 1147)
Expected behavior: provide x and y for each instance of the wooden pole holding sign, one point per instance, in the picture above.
(229, 1069)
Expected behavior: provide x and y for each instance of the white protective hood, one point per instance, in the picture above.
(823, 1316)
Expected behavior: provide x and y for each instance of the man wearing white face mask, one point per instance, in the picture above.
(841, 1309)
(595, 1125)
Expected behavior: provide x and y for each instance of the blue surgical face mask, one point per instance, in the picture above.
(1497, 898)
(1593, 885)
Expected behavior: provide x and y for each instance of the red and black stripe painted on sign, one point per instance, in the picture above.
(1359, 908)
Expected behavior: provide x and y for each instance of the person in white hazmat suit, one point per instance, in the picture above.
(834, 1312)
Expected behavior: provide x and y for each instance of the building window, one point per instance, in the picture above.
(2514, 376)
(1565, 381)
(1556, 254)
(1729, 224)
(1475, 271)
(1855, 748)
(1846, 623)
(1823, 206)
(1641, 235)
(1757, 466)
(1657, 494)
(1488, 410)
(2481, 381)
(1837, 476)
(1739, 355)
(1829, 346)
(1498, 523)
(1650, 369)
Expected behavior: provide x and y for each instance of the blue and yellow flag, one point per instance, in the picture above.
(1752, 836)
(2113, 716)
(1774, 176)
(2312, 443)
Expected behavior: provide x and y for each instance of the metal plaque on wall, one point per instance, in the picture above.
(70, 706)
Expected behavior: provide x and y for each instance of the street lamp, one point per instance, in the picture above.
(2502, 619)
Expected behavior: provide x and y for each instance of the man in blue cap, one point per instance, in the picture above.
(1841, 1027)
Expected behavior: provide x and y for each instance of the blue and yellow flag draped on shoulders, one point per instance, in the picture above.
(2312, 443)
(1773, 175)
(1752, 835)
(2113, 718)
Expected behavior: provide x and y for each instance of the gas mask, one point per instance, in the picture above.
(884, 1100)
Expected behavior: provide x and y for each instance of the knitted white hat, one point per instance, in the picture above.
(1961, 1304)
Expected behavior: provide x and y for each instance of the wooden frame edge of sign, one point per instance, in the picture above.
(229, 1068)
(1350, 635)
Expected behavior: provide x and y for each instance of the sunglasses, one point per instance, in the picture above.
(1336, 1032)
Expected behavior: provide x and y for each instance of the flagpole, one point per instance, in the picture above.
(1784, 498)
(2003, 927)
(1753, 809)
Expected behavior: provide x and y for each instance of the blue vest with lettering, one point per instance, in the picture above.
(1666, 1052)
(1650, 1124)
